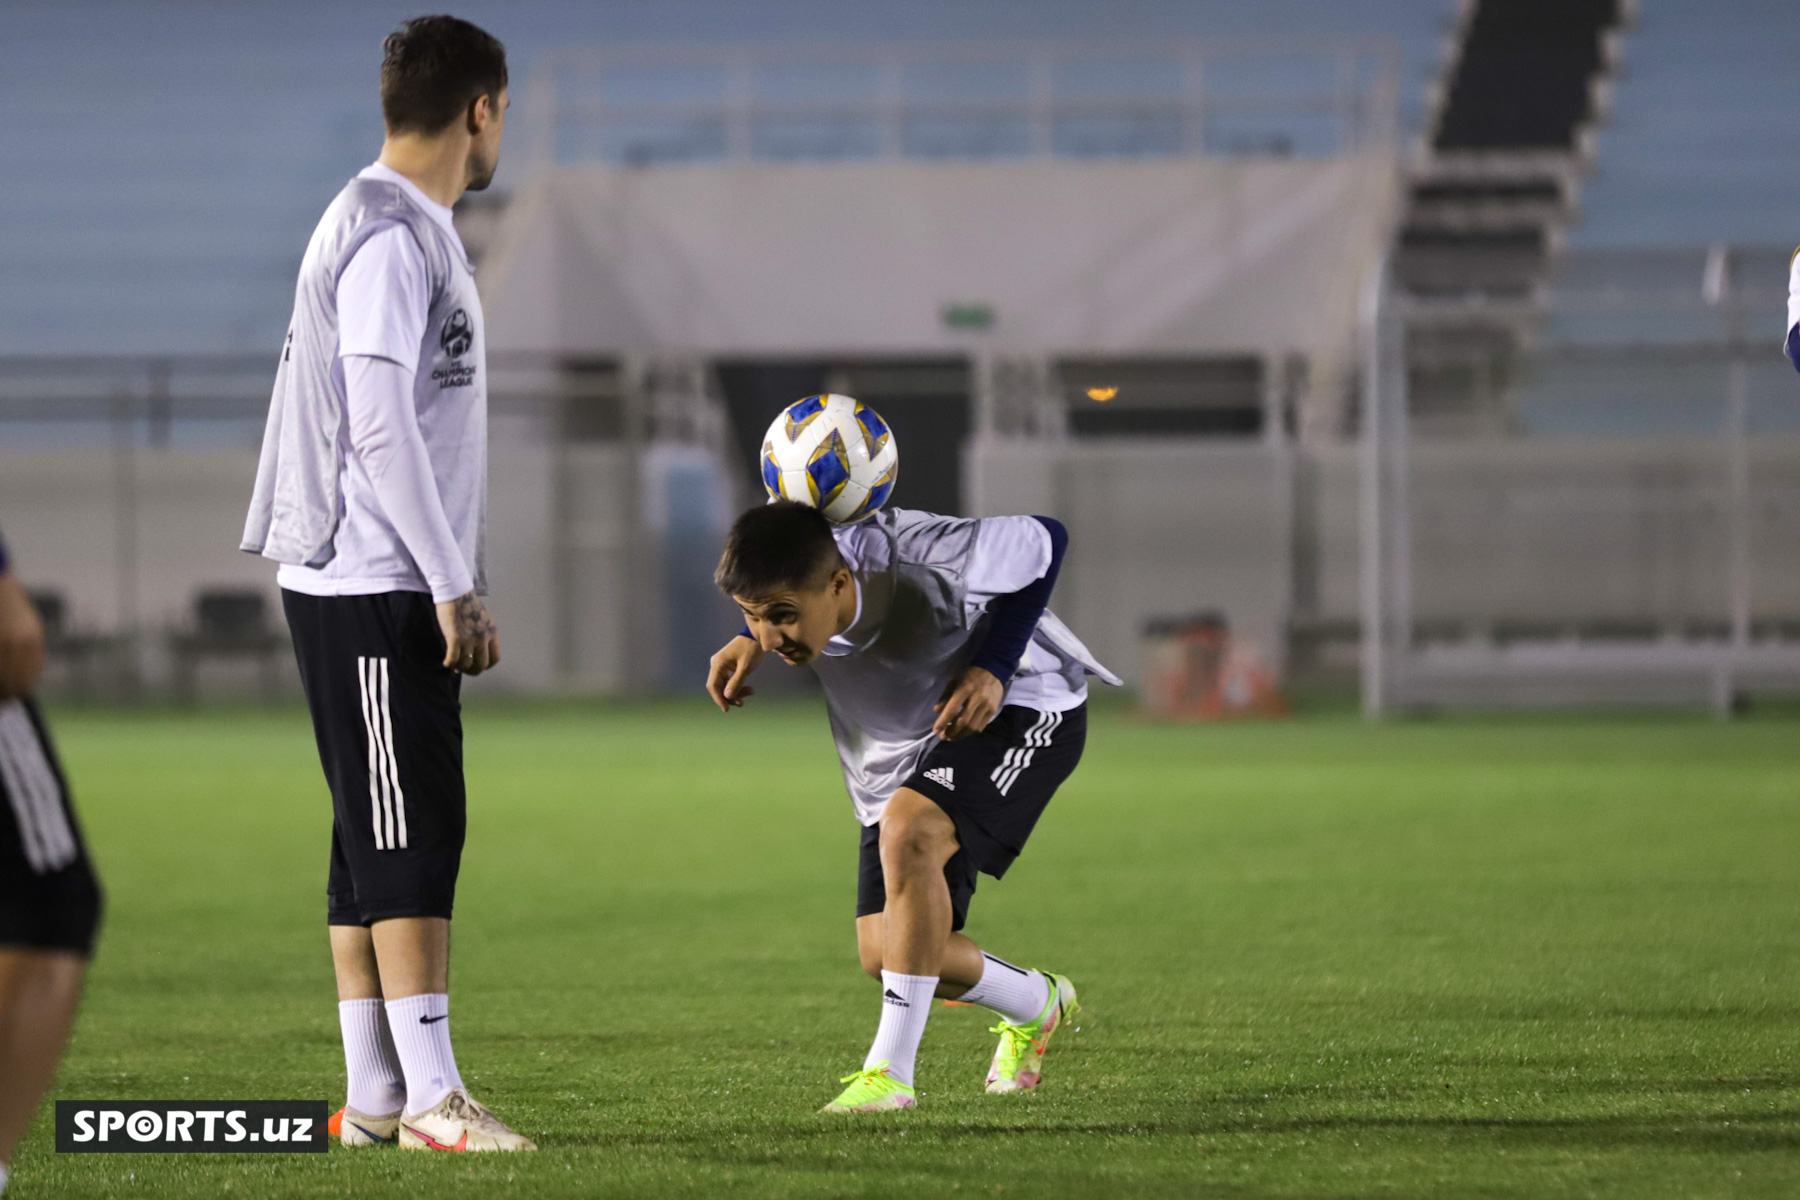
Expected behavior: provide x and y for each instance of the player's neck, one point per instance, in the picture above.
(849, 607)
(438, 165)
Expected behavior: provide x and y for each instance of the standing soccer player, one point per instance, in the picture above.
(372, 494)
(1791, 341)
(49, 899)
(958, 702)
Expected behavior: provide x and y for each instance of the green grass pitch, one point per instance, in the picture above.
(1528, 957)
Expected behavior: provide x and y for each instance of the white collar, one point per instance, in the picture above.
(439, 213)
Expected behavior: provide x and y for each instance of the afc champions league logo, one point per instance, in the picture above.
(458, 334)
(456, 339)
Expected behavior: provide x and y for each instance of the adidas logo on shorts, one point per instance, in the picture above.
(942, 776)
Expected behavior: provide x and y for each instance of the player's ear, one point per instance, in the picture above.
(481, 113)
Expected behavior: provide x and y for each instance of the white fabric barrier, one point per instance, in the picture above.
(1189, 256)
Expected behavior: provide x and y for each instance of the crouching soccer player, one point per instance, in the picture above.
(49, 900)
(958, 704)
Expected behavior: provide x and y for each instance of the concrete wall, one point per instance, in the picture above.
(599, 561)
(1503, 531)
(1154, 529)
(1638, 530)
(84, 521)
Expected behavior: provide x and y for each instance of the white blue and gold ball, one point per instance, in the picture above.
(831, 452)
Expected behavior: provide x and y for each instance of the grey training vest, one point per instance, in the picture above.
(915, 634)
(297, 501)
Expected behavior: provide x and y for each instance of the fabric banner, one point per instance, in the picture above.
(1197, 255)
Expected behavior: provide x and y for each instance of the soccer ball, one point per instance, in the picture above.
(833, 453)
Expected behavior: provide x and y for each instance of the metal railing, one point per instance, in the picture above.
(123, 481)
(1173, 98)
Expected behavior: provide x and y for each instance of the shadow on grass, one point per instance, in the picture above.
(1739, 1130)
(1424, 1090)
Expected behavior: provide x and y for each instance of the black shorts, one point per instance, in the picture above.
(49, 898)
(388, 718)
(994, 786)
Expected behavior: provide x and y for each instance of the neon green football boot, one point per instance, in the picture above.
(1018, 1064)
(872, 1089)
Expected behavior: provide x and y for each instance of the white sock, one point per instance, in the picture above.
(1015, 993)
(905, 1005)
(2, 1177)
(421, 1029)
(370, 1061)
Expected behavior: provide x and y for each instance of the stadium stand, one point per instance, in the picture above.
(607, 449)
(124, 233)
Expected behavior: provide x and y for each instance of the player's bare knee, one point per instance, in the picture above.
(909, 845)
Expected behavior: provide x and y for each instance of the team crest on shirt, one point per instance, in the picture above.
(456, 337)
(458, 334)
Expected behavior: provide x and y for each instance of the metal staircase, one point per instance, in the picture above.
(1492, 194)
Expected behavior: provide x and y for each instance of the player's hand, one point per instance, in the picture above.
(21, 641)
(968, 704)
(730, 667)
(471, 640)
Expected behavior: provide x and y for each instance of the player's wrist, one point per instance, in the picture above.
(1001, 671)
(450, 591)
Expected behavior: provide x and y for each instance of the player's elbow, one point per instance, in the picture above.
(1059, 536)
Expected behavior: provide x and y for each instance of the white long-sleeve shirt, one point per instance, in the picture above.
(393, 534)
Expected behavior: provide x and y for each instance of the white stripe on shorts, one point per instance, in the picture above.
(34, 793)
(1019, 757)
(387, 803)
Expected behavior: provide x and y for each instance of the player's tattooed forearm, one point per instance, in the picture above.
(473, 621)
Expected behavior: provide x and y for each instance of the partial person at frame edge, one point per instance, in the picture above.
(49, 897)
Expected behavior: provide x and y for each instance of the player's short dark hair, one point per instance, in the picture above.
(776, 546)
(433, 68)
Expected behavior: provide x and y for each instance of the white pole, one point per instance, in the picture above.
(541, 95)
(1398, 444)
(125, 540)
(741, 98)
(1043, 110)
(1737, 427)
(1716, 288)
(1374, 681)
